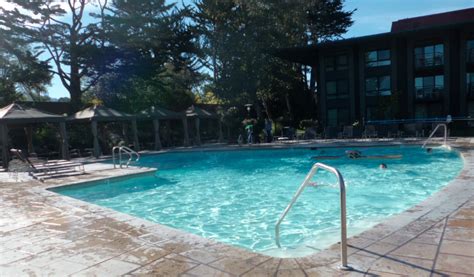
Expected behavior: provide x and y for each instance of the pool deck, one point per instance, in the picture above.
(44, 233)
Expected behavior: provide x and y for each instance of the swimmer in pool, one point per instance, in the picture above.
(429, 150)
(353, 154)
(383, 166)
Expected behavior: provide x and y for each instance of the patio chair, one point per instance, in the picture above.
(347, 132)
(370, 132)
(42, 169)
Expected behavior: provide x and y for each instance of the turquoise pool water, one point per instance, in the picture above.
(237, 196)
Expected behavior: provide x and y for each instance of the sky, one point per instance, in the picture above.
(371, 17)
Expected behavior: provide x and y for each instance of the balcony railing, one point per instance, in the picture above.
(435, 59)
(429, 93)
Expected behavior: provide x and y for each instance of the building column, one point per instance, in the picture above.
(186, 133)
(4, 143)
(96, 150)
(29, 139)
(64, 141)
(221, 135)
(156, 127)
(198, 132)
(136, 144)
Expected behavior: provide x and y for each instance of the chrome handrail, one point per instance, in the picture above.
(125, 150)
(434, 132)
(342, 188)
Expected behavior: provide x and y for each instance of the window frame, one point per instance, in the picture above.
(434, 56)
(377, 61)
(378, 91)
(433, 88)
(339, 93)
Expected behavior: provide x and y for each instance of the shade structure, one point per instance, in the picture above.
(159, 113)
(198, 114)
(16, 114)
(99, 113)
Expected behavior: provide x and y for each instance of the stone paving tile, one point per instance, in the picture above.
(164, 267)
(417, 250)
(143, 255)
(463, 234)
(455, 247)
(461, 223)
(377, 249)
(202, 256)
(455, 264)
(238, 266)
(268, 268)
(111, 267)
(429, 237)
(204, 270)
(290, 273)
(403, 266)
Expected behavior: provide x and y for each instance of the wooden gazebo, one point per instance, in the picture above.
(15, 114)
(99, 113)
(157, 114)
(198, 114)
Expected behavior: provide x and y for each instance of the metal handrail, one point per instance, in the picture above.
(342, 188)
(125, 150)
(434, 132)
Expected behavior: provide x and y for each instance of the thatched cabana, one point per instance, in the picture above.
(97, 114)
(157, 114)
(197, 114)
(15, 114)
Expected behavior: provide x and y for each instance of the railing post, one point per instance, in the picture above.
(342, 188)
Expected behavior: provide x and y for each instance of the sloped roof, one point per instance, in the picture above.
(160, 113)
(15, 113)
(198, 112)
(100, 113)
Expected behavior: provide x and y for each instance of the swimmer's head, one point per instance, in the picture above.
(383, 166)
(429, 150)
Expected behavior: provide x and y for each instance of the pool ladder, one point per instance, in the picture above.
(124, 150)
(445, 126)
(342, 188)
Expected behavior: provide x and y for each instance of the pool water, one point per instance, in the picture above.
(236, 197)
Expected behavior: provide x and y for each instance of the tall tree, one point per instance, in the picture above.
(75, 47)
(21, 73)
(156, 51)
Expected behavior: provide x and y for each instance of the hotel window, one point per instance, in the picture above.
(336, 63)
(470, 83)
(470, 51)
(337, 89)
(429, 86)
(337, 117)
(431, 55)
(378, 86)
(377, 58)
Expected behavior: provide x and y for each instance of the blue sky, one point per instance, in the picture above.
(371, 17)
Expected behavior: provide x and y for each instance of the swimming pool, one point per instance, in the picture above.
(236, 197)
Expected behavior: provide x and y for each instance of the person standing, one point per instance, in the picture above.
(249, 129)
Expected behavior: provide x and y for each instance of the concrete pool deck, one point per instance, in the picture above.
(44, 233)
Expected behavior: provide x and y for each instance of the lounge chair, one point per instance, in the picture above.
(370, 132)
(347, 132)
(42, 170)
